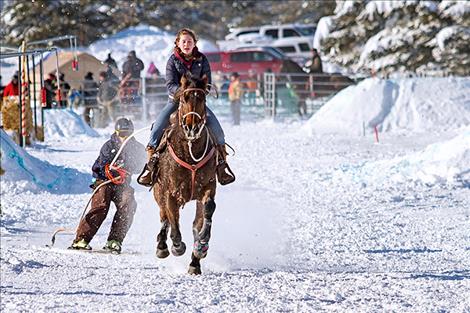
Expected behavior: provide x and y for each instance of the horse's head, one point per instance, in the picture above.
(192, 105)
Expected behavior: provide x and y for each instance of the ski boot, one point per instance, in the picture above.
(113, 246)
(146, 177)
(224, 173)
(80, 244)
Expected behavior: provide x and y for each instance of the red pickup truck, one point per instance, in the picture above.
(254, 60)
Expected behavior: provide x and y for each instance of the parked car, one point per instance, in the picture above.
(255, 60)
(235, 32)
(295, 40)
(274, 31)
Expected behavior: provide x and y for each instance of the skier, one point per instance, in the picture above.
(118, 191)
(185, 58)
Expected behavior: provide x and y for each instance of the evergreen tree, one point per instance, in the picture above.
(90, 20)
(400, 36)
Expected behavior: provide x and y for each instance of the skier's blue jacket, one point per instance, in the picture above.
(132, 157)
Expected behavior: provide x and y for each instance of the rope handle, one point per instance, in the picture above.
(120, 179)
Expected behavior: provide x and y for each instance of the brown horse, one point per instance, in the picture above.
(187, 172)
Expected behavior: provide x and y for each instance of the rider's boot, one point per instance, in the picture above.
(146, 177)
(224, 173)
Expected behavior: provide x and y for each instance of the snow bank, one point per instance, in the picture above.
(150, 44)
(409, 104)
(439, 163)
(65, 123)
(24, 172)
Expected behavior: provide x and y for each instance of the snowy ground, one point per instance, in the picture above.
(315, 221)
(286, 237)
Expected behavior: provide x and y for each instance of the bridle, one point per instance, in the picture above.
(189, 132)
(190, 137)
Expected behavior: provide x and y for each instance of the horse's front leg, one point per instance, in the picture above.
(173, 213)
(202, 227)
(162, 248)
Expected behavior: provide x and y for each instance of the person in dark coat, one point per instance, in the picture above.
(314, 65)
(89, 90)
(185, 58)
(1, 87)
(50, 85)
(132, 67)
(117, 191)
(108, 94)
(64, 90)
(110, 61)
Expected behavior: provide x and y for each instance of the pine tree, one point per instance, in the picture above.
(90, 20)
(400, 36)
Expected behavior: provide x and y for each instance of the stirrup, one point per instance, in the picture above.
(145, 177)
(225, 175)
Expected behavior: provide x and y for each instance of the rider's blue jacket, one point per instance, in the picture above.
(177, 66)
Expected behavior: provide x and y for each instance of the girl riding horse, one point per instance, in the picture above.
(186, 58)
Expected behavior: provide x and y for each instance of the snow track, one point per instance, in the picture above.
(291, 235)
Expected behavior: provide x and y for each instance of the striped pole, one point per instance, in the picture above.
(24, 93)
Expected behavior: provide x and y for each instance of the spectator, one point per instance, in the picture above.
(314, 65)
(152, 70)
(64, 90)
(108, 95)
(252, 87)
(1, 87)
(224, 87)
(235, 93)
(50, 84)
(12, 88)
(155, 91)
(110, 62)
(89, 90)
(132, 67)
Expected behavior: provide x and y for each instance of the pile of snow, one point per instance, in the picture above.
(150, 43)
(439, 163)
(65, 123)
(24, 172)
(396, 105)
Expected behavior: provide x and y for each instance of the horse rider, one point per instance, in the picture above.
(118, 190)
(185, 58)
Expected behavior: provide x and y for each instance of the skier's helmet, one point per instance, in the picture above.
(124, 127)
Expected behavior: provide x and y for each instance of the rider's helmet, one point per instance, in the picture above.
(124, 127)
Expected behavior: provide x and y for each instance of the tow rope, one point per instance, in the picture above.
(111, 179)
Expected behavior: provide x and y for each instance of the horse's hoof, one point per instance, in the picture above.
(178, 250)
(194, 270)
(200, 250)
(162, 253)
